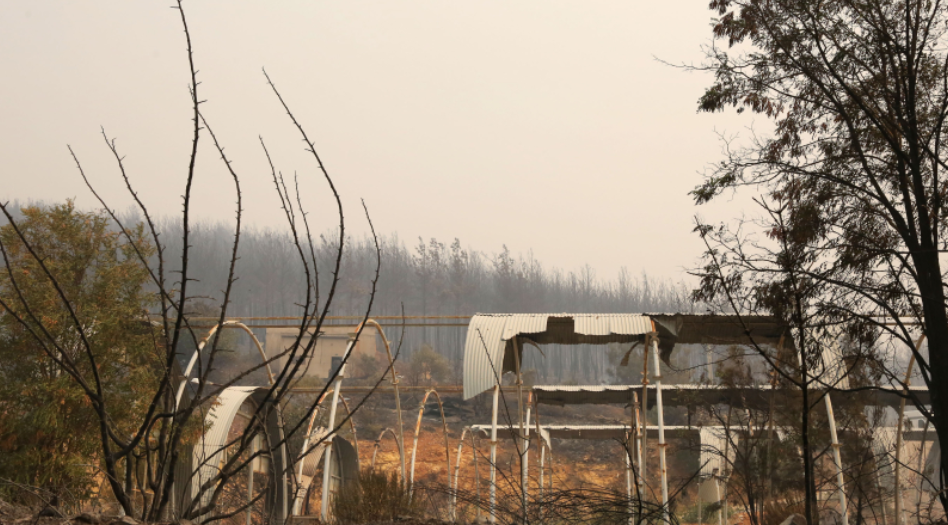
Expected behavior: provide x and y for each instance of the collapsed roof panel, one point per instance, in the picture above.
(489, 336)
(756, 396)
(750, 396)
(720, 329)
(488, 349)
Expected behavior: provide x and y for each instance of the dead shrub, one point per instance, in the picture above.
(777, 510)
(374, 497)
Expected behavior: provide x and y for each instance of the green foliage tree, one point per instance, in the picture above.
(47, 435)
(143, 443)
(428, 367)
(851, 182)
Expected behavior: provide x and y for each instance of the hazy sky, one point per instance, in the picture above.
(544, 125)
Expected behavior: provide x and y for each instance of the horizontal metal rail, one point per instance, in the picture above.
(442, 389)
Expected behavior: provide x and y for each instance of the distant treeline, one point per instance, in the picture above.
(427, 278)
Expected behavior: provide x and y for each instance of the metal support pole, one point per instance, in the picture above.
(457, 474)
(643, 425)
(543, 447)
(725, 475)
(493, 455)
(542, 444)
(840, 481)
(920, 470)
(542, 466)
(400, 438)
(628, 478)
(899, 518)
(700, 511)
(254, 447)
(723, 495)
(640, 479)
(521, 436)
(525, 474)
(327, 456)
(331, 425)
(661, 429)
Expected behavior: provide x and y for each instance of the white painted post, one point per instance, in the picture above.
(661, 429)
(522, 434)
(327, 455)
(327, 464)
(899, 511)
(542, 466)
(254, 447)
(844, 511)
(525, 471)
(493, 455)
(638, 444)
(457, 473)
(628, 478)
(700, 512)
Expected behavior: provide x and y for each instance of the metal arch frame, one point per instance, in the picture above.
(400, 436)
(840, 480)
(837, 460)
(414, 448)
(544, 448)
(493, 453)
(327, 455)
(457, 472)
(544, 444)
(306, 451)
(337, 387)
(525, 435)
(352, 427)
(378, 443)
(197, 353)
(541, 464)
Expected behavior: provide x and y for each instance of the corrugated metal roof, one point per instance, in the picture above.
(483, 354)
(209, 452)
(713, 441)
(487, 336)
(606, 324)
(524, 324)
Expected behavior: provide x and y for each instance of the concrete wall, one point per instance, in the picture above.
(332, 343)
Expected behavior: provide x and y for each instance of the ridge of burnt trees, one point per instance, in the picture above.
(428, 278)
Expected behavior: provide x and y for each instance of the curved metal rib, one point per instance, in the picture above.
(378, 444)
(197, 353)
(444, 427)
